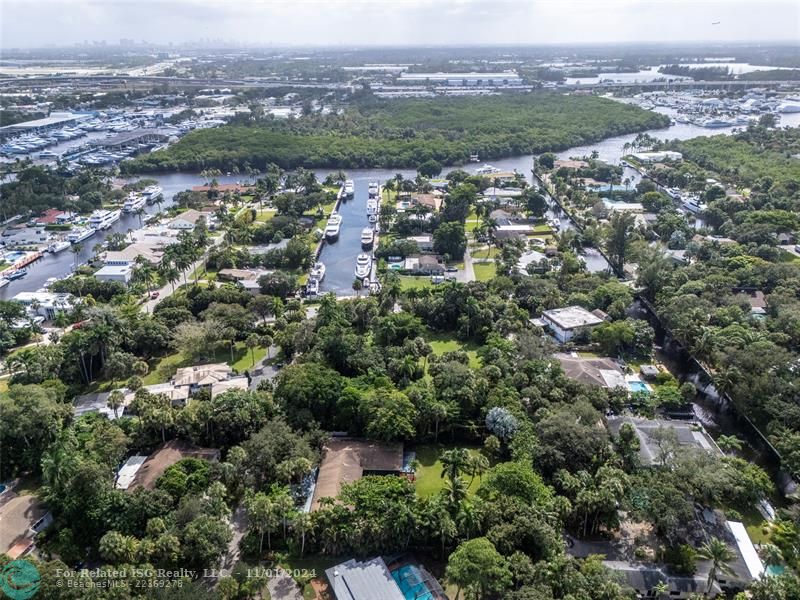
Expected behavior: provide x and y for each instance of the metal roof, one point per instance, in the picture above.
(369, 580)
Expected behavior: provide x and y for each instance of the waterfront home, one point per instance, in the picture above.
(121, 273)
(432, 201)
(152, 252)
(45, 304)
(187, 220)
(424, 242)
(424, 264)
(568, 322)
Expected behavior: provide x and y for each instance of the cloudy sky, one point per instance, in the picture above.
(25, 23)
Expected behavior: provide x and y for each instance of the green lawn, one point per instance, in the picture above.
(485, 252)
(542, 228)
(443, 342)
(265, 215)
(484, 271)
(472, 225)
(428, 477)
(409, 282)
(162, 369)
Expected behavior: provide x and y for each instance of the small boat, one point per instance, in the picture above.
(14, 275)
(372, 206)
(4, 282)
(373, 189)
(363, 265)
(372, 218)
(349, 188)
(367, 237)
(317, 272)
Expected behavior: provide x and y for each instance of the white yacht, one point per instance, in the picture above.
(103, 219)
(693, 204)
(373, 218)
(151, 192)
(363, 265)
(373, 189)
(715, 123)
(78, 235)
(312, 288)
(372, 206)
(367, 237)
(4, 282)
(349, 188)
(333, 227)
(317, 272)
(58, 246)
(487, 170)
(133, 203)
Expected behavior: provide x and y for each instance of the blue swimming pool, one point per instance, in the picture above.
(409, 580)
(638, 386)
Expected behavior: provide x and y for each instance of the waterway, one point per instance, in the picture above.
(340, 256)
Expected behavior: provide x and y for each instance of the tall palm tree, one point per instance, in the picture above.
(720, 555)
(454, 462)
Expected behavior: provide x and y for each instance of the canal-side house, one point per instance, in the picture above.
(45, 304)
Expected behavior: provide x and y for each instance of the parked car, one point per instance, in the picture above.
(154, 295)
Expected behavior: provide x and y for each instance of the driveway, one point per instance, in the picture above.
(468, 274)
(262, 370)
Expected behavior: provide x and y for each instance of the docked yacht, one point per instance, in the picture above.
(715, 123)
(4, 282)
(373, 189)
(133, 203)
(151, 192)
(103, 219)
(372, 206)
(317, 272)
(363, 265)
(312, 288)
(333, 227)
(58, 246)
(14, 275)
(78, 235)
(487, 170)
(367, 237)
(373, 218)
(349, 188)
(692, 203)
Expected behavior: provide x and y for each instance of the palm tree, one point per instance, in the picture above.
(115, 401)
(76, 249)
(358, 285)
(478, 465)
(720, 555)
(302, 524)
(454, 461)
(252, 342)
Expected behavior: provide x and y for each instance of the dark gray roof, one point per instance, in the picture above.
(369, 580)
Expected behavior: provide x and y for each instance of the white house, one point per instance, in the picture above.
(121, 273)
(45, 304)
(187, 220)
(566, 323)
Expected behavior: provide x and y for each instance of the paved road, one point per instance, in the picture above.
(239, 527)
(264, 370)
(468, 273)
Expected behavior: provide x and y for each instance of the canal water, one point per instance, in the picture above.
(340, 256)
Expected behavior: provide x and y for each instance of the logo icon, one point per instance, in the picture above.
(19, 580)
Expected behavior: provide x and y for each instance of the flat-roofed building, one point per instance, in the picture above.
(121, 273)
(565, 323)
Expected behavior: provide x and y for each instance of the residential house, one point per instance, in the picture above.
(424, 264)
(121, 273)
(568, 322)
(687, 434)
(603, 372)
(424, 242)
(188, 219)
(152, 252)
(53, 216)
(200, 377)
(363, 580)
(146, 473)
(432, 201)
(45, 304)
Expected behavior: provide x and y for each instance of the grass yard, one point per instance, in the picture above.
(471, 225)
(429, 481)
(444, 342)
(265, 215)
(485, 252)
(411, 282)
(542, 228)
(484, 271)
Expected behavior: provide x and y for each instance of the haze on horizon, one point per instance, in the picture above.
(39, 23)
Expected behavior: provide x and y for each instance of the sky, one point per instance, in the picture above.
(37, 23)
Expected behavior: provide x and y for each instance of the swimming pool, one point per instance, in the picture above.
(638, 386)
(409, 580)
